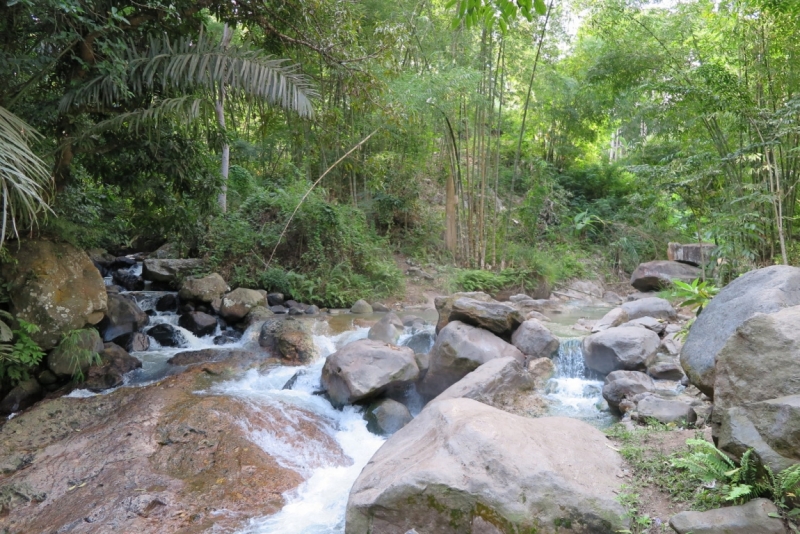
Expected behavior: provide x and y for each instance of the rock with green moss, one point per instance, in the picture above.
(75, 353)
(461, 467)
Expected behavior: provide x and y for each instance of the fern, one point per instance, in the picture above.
(706, 463)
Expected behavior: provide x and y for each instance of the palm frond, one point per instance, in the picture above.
(182, 110)
(24, 178)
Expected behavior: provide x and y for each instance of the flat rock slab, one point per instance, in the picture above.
(750, 518)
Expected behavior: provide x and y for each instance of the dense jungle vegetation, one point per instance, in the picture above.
(530, 140)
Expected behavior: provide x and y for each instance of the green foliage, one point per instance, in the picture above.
(493, 282)
(696, 295)
(640, 523)
(19, 354)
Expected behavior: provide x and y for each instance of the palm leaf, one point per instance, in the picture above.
(24, 178)
(184, 109)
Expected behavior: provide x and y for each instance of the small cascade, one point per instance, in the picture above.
(572, 392)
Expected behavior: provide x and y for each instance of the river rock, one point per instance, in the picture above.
(380, 307)
(652, 324)
(133, 341)
(655, 275)
(460, 349)
(279, 310)
(621, 385)
(666, 410)
(257, 315)
(386, 416)
(388, 329)
(622, 348)
(124, 316)
(666, 370)
(54, 286)
(23, 395)
(204, 289)
(191, 357)
(655, 307)
(457, 468)
(496, 317)
(128, 280)
(365, 369)
(238, 303)
(533, 339)
(671, 345)
(313, 309)
(198, 323)
(275, 299)
(421, 342)
(167, 335)
(361, 306)
(167, 303)
(766, 290)
(444, 305)
(169, 271)
(76, 355)
(613, 318)
(697, 254)
(114, 363)
(755, 517)
(288, 338)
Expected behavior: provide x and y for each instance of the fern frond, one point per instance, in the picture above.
(739, 491)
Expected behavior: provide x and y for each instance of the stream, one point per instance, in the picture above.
(318, 505)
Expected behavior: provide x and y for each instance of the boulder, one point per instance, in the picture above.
(54, 286)
(458, 468)
(169, 271)
(655, 307)
(671, 345)
(666, 370)
(128, 280)
(238, 303)
(365, 369)
(697, 254)
(124, 316)
(622, 348)
(388, 329)
(496, 317)
(133, 341)
(198, 323)
(289, 338)
(167, 303)
(655, 275)
(755, 517)
(114, 363)
(612, 298)
(75, 354)
(444, 305)
(613, 318)
(386, 416)
(460, 349)
(167, 335)
(190, 357)
(666, 410)
(257, 315)
(533, 339)
(204, 289)
(361, 306)
(21, 396)
(766, 290)
(421, 342)
(312, 310)
(652, 324)
(275, 299)
(621, 385)
(379, 307)
(761, 361)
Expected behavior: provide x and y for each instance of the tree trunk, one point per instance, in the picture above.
(219, 108)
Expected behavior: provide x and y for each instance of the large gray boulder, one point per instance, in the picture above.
(533, 339)
(170, 271)
(655, 307)
(444, 305)
(365, 369)
(621, 385)
(388, 329)
(462, 467)
(655, 275)
(54, 286)
(288, 338)
(666, 410)
(124, 316)
(496, 317)
(504, 383)
(238, 303)
(460, 349)
(205, 289)
(625, 348)
(755, 517)
(766, 290)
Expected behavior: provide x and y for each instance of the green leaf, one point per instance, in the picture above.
(539, 6)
